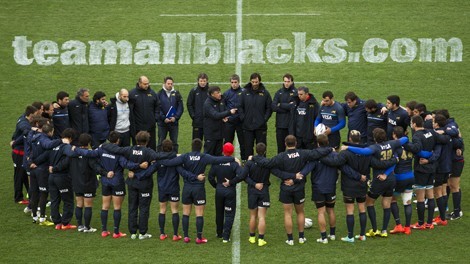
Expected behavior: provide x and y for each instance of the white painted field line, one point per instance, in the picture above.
(239, 74)
(248, 15)
(236, 222)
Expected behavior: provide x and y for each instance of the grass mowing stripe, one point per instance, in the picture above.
(257, 14)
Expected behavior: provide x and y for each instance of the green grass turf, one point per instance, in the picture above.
(438, 84)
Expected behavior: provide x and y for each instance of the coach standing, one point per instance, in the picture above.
(145, 110)
(196, 98)
(168, 120)
(78, 111)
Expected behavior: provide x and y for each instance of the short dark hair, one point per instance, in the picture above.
(371, 104)
(38, 105)
(421, 107)
(398, 131)
(30, 110)
(394, 99)
(202, 76)
(443, 112)
(47, 128)
(235, 77)
(379, 135)
(38, 121)
(113, 137)
(142, 138)
(303, 88)
(440, 120)
(290, 141)
(255, 76)
(167, 145)
(213, 89)
(68, 133)
(411, 104)
(84, 140)
(261, 148)
(351, 96)
(98, 95)
(61, 95)
(322, 140)
(288, 76)
(417, 120)
(196, 145)
(167, 78)
(328, 94)
(355, 136)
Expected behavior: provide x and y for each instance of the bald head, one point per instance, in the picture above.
(144, 82)
(124, 95)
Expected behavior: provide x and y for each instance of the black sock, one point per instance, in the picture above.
(175, 218)
(185, 223)
(79, 215)
(104, 220)
(350, 224)
(199, 226)
(252, 234)
(386, 219)
(372, 217)
(332, 231)
(323, 235)
(421, 208)
(431, 206)
(290, 237)
(301, 235)
(117, 220)
(363, 223)
(260, 236)
(161, 223)
(395, 213)
(408, 212)
(456, 198)
(88, 213)
(442, 207)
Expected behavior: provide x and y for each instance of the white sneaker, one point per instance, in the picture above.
(27, 210)
(89, 230)
(133, 236)
(48, 204)
(145, 236)
(302, 240)
(80, 228)
(290, 242)
(323, 241)
(332, 237)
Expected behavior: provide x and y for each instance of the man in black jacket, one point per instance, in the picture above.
(145, 106)
(283, 103)
(196, 98)
(215, 115)
(301, 124)
(60, 117)
(78, 111)
(255, 111)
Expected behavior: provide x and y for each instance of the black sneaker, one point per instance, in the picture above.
(455, 217)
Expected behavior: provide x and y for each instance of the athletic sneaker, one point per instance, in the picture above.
(347, 239)
(119, 235)
(384, 234)
(105, 233)
(252, 239)
(322, 240)
(225, 241)
(418, 226)
(89, 230)
(45, 222)
(145, 236)
(25, 202)
(176, 237)
(187, 240)
(201, 240)
(455, 217)
(407, 230)
(290, 242)
(133, 236)
(439, 221)
(80, 228)
(332, 237)
(163, 236)
(27, 210)
(429, 226)
(397, 229)
(302, 240)
(68, 226)
(372, 233)
(58, 227)
(361, 238)
(262, 242)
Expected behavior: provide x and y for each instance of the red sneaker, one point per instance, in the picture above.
(58, 227)
(187, 239)
(176, 237)
(119, 235)
(201, 241)
(429, 226)
(398, 229)
(418, 226)
(407, 230)
(68, 226)
(25, 202)
(163, 237)
(105, 233)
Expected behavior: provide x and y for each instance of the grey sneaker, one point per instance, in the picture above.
(89, 230)
(145, 236)
(81, 228)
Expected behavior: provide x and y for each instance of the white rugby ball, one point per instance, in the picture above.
(320, 129)
(308, 223)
